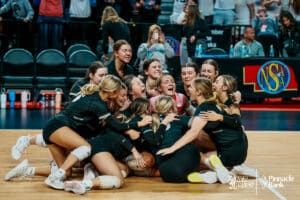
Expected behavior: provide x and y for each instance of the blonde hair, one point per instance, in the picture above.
(230, 82)
(139, 106)
(204, 85)
(162, 105)
(152, 28)
(109, 83)
(110, 14)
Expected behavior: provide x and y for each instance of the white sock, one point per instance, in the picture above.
(109, 182)
(207, 163)
(88, 184)
(124, 173)
(30, 171)
(39, 140)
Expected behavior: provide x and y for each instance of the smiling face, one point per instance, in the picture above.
(218, 85)
(154, 70)
(167, 85)
(187, 75)
(208, 71)
(122, 98)
(124, 53)
(138, 88)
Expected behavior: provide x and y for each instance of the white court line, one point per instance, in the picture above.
(272, 189)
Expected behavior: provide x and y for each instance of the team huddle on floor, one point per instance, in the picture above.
(117, 125)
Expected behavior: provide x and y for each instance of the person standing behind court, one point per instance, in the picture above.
(207, 10)
(79, 15)
(194, 28)
(248, 46)
(224, 12)
(148, 10)
(114, 27)
(245, 12)
(50, 19)
(22, 12)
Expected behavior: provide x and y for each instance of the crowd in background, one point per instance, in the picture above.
(48, 18)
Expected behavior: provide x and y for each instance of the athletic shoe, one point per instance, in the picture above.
(18, 149)
(224, 176)
(207, 177)
(53, 166)
(243, 170)
(89, 171)
(55, 179)
(78, 187)
(20, 170)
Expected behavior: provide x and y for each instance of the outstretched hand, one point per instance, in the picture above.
(165, 151)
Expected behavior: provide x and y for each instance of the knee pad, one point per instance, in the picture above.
(82, 152)
(39, 140)
(109, 182)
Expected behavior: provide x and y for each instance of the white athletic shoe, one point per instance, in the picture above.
(18, 149)
(55, 179)
(18, 171)
(206, 177)
(224, 176)
(243, 170)
(77, 187)
(89, 171)
(53, 166)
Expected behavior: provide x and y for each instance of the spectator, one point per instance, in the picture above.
(155, 47)
(148, 10)
(248, 46)
(114, 27)
(245, 12)
(50, 19)
(207, 10)
(274, 7)
(264, 24)
(289, 36)
(224, 12)
(22, 12)
(178, 9)
(294, 8)
(194, 28)
(80, 12)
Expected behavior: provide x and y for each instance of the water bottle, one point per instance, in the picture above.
(199, 51)
(3, 98)
(47, 101)
(272, 52)
(231, 51)
(52, 101)
(58, 98)
(244, 51)
(42, 101)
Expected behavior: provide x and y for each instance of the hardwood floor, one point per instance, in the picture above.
(274, 154)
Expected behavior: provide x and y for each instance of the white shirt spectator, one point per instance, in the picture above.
(243, 12)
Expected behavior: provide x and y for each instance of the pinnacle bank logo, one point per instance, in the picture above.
(273, 77)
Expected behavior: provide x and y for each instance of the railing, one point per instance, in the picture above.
(14, 34)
